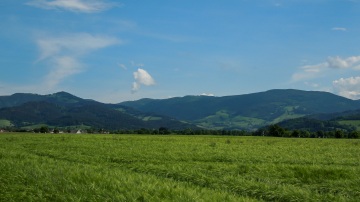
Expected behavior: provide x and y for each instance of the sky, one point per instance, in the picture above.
(119, 50)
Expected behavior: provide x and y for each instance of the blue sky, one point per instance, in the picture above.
(114, 51)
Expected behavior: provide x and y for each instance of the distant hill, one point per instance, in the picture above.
(248, 111)
(348, 120)
(314, 125)
(19, 99)
(61, 98)
(292, 108)
(65, 110)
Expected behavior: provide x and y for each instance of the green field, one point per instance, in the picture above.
(223, 119)
(68, 167)
(5, 123)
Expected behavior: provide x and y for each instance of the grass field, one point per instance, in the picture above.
(68, 167)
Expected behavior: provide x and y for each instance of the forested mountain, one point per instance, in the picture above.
(290, 108)
(348, 120)
(314, 125)
(248, 111)
(61, 98)
(65, 110)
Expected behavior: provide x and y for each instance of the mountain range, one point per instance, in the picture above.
(241, 112)
(249, 111)
(65, 110)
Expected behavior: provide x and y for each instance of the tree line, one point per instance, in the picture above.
(271, 131)
(278, 131)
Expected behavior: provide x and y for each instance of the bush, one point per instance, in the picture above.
(354, 134)
(339, 134)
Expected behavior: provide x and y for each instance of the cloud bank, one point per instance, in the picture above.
(314, 71)
(348, 87)
(338, 62)
(207, 94)
(142, 77)
(83, 6)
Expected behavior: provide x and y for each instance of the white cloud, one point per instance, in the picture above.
(207, 94)
(339, 29)
(308, 72)
(74, 44)
(314, 71)
(64, 52)
(83, 6)
(338, 62)
(135, 87)
(314, 68)
(142, 77)
(348, 87)
(64, 67)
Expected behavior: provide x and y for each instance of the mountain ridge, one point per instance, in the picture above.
(258, 109)
(63, 109)
(241, 112)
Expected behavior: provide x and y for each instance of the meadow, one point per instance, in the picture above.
(87, 167)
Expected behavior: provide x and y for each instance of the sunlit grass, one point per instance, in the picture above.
(177, 168)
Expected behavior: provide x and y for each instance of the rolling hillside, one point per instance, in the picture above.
(60, 98)
(65, 110)
(248, 111)
(348, 120)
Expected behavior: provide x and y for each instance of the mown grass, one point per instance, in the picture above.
(69, 167)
